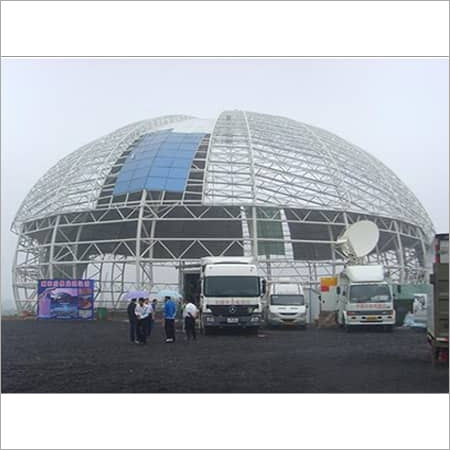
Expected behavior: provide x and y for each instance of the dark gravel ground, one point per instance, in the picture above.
(52, 356)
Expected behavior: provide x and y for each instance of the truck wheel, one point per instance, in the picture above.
(206, 331)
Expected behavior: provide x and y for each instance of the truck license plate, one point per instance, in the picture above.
(232, 320)
(372, 318)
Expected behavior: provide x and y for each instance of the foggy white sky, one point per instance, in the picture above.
(397, 110)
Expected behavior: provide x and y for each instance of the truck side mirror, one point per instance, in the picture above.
(399, 288)
(338, 290)
(264, 286)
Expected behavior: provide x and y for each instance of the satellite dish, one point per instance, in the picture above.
(359, 239)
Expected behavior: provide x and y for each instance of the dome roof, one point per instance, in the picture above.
(240, 158)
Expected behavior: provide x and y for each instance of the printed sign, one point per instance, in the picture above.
(66, 299)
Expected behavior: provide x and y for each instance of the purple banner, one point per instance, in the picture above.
(66, 299)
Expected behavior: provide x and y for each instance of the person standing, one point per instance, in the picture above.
(190, 312)
(154, 305)
(131, 311)
(170, 311)
(149, 317)
(141, 315)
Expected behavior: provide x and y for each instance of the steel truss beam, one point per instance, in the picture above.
(71, 225)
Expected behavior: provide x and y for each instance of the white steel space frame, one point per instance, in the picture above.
(253, 161)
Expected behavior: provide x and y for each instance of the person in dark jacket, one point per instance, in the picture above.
(131, 310)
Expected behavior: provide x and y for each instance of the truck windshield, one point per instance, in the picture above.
(287, 299)
(365, 293)
(232, 286)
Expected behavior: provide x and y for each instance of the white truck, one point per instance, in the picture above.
(364, 297)
(285, 304)
(230, 294)
(437, 326)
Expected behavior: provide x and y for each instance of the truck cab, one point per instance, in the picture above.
(230, 295)
(364, 297)
(285, 304)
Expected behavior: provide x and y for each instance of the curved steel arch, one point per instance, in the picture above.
(254, 174)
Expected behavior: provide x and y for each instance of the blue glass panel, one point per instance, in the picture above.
(125, 176)
(125, 169)
(174, 138)
(177, 173)
(182, 163)
(150, 155)
(168, 153)
(185, 148)
(139, 156)
(137, 184)
(175, 184)
(155, 184)
(132, 165)
(143, 172)
(163, 162)
(171, 147)
(160, 160)
(159, 172)
(185, 157)
(121, 188)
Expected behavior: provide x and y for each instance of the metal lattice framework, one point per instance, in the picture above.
(260, 185)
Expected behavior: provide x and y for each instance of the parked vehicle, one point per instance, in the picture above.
(437, 323)
(420, 307)
(364, 297)
(229, 290)
(285, 304)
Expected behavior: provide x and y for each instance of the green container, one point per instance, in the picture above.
(102, 313)
(403, 301)
(402, 307)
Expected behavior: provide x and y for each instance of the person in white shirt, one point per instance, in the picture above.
(141, 314)
(148, 317)
(190, 313)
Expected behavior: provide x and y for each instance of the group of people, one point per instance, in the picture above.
(141, 315)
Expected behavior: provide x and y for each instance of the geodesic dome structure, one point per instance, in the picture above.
(133, 208)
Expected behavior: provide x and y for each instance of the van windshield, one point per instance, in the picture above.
(232, 286)
(292, 299)
(366, 293)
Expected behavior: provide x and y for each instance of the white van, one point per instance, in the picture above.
(285, 304)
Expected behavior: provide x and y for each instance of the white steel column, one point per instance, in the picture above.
(333, 250)
(253, 187)
(400, 254)
(52, 247)
(138, 239)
